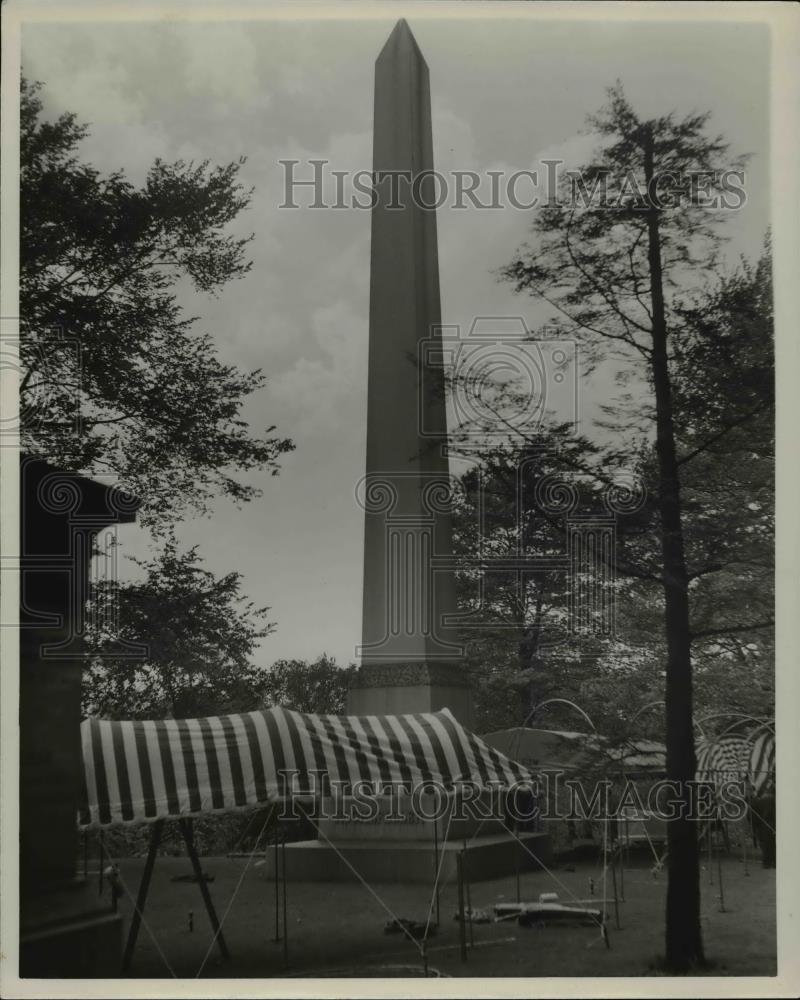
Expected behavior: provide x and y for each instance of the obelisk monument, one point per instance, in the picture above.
(410, 658)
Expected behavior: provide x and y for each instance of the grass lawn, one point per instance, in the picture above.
(337, 929)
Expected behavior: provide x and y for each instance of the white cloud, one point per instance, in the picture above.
(220, 61)
(321, 396)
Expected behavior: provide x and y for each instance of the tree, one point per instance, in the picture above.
(510, 616)
(178, 643)
(319, 687)
(725, 389)
(515, 626)
(618, 255)
(523, 647)
(114, 378)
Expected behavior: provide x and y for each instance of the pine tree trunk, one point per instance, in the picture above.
(684, 945)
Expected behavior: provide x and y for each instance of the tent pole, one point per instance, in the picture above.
(141, 899)
(618, 832)
(719, 876)
(604, 911)
(744, 846)
(436, 864)
(469, 894)
(276, 876)
(102, 863)
(469, 909)
(285, 926)
(726, 840)
(187, 831)
(614, 882)
(85, 856)
(709, 834)
(627, 841)
(462, 930)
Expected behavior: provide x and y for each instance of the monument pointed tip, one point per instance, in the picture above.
(402, 29)
(402, 37)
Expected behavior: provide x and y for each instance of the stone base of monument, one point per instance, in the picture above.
(69, 933)
(487, 856)
(398, 844)
(397, 689)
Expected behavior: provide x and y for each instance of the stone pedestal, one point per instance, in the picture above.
(391, 689)
(386, 861)
(407, 839)
(401, 844)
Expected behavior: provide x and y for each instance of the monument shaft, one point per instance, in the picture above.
(410, 662)
(409, 656)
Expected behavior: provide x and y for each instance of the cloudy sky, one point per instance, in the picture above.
(507, 94)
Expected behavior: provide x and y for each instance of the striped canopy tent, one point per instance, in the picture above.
(147, 771)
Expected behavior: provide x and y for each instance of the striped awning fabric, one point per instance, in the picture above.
(143, 771)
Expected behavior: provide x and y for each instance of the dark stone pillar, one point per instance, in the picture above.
(410, 655)
(65, 930)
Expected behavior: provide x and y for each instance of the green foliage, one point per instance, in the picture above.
(103, 334)
(215, 835)
(725, 392)
(199, 633)
(521, 645)
(319, 687)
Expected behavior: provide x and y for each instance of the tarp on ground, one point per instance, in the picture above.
(147, 770)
